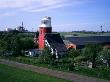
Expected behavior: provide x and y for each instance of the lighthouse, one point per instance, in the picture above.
(50, 39)
(45, 27)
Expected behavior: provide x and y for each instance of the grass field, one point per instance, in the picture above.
(83, 34)
(11, 74)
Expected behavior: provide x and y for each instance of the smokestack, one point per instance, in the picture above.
(22, 23)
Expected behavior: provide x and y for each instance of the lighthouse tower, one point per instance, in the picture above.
(44, 28)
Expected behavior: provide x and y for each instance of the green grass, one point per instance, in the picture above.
(11, 74)
(83, 34)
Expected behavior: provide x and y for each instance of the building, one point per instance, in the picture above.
(9, 29)
(21, 28)
(48, 38)
(77, 42)
(56, 44)
(32, 52)
(69, 45)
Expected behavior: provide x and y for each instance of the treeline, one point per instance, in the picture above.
(15, 43)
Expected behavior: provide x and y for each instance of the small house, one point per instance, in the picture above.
(32, 52)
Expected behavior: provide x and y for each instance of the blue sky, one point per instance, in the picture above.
(67, 15)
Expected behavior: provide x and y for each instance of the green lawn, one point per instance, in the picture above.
(11, 74)
(83, 34)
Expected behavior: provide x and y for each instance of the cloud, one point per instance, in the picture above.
(45, 5)
(37, 5)
(28, 3)
(15, 3)
(34, 6)
(46, 8)
(7, 14)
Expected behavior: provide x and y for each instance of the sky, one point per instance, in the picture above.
(67, 15)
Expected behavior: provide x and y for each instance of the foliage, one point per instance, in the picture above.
(103, 72)
(27, 43)
(90, 52)
(71, 58)
(105, 56)
(46, 56)
(14, 43)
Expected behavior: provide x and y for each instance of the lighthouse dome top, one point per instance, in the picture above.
(46, 22)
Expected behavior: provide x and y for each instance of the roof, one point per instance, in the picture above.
(56, 42)
(66, 42)
(88, 39)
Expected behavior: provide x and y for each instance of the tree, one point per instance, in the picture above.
(90, 52)
(16, 46)
(105, 56)
(15, 42)
(27, 43)
(3, 46)
(46, 56)
(70, 57)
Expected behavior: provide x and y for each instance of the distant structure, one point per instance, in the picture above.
(21, 28)
(9, 29)
(47, 38)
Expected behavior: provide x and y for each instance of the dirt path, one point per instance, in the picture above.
(50, 72)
